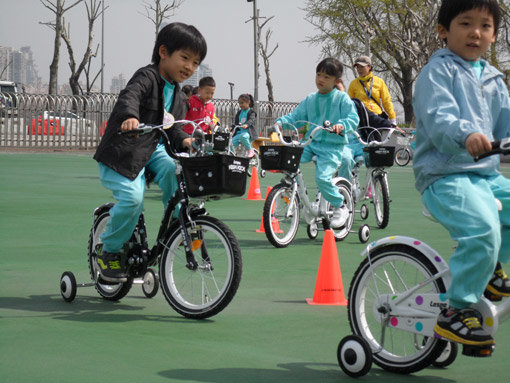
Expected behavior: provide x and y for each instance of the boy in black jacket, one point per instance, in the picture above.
(150, 97)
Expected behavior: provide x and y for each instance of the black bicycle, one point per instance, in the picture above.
(199, 257)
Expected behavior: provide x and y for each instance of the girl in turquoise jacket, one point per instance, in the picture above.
(330, 104)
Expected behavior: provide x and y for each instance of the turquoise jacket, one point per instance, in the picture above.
(335, 106)
(450, 103)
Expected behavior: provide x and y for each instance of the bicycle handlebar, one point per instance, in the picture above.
(325, 126)
(498, 147)
(375, 142)
(144, 129)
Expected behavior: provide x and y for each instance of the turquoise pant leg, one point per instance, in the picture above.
(349, 155)
(242, 137)
(501, 189)
(129, 194)
(163, 166)
(329, 158)
(465, 206)
(124, 214)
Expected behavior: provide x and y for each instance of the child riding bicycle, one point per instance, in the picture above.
(461, 103)
(149, 97)
(328, 103)
(246, 117)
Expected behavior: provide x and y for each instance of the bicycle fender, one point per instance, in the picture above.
(422, 247)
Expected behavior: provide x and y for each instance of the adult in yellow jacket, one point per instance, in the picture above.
(371, 90)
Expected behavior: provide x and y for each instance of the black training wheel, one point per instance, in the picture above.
(68, 286)
(354, 356)
(312, 230)
(150, 284)
(363, 212)
(448, 355)
(364, 233)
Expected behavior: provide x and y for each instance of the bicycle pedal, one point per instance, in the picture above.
(478, 351)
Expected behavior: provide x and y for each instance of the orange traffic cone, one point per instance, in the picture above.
(254, 188)
(261, 229)
(329, 287)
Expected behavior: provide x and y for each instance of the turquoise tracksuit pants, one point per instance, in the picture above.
(329, 158)
(465, 205)
(350, 155)
(243, 137)
(130, 193)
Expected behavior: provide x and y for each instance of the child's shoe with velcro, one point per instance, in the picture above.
(110, 266)
(499, 285)
(462, 326)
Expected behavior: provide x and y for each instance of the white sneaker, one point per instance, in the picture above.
(339, 217)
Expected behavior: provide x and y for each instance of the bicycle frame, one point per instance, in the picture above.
(422, 309)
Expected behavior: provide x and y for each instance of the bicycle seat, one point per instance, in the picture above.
(427, 214)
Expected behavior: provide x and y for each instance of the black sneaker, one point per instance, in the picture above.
(110, 266)
(462, 326)
(499, 285)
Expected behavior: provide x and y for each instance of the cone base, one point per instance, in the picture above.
(311, 302)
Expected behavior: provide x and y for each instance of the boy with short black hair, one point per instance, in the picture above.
(200, 106)
(461, 104)
(150, 96)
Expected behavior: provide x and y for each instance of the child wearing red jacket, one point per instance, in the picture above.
(200, 106)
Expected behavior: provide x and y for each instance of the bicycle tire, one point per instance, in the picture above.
(402, 156)
(280, 225)
(391, 270)
(207, 290)
(381, 200)
(109, 291)
(344, 188)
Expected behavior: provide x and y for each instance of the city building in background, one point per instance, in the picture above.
(203, 70)
(18, 66)
(118, 83)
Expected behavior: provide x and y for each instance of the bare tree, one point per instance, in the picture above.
(93, 12)
(157, 12)
(58, 8)
(266, 53)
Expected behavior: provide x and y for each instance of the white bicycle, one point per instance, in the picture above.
(395, 297)
(289, 198)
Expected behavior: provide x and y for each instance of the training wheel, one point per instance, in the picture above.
(312, 231)
(354, 356)
(68, 286)
(364, 233)
(262, 173)
(448, 355)
(363, 212)
(150, 284)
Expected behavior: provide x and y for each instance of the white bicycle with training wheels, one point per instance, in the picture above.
(395, 297)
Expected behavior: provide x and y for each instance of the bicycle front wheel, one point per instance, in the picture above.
(281, 216)
(381, 200)
(402, 156)
(392, 270)
(206, 290)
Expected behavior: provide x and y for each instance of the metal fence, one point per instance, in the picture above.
(78, 122)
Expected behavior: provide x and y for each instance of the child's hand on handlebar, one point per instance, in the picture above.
(129, 124)
(187, 142)
(477, 144)
(338, 129)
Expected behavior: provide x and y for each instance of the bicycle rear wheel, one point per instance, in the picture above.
(402, 156)
(108, 290)
(281, 216)
(206, 290)
(392, 270)
(344, 188)
(381, 200)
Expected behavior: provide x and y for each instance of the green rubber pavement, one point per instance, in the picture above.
(267, 334)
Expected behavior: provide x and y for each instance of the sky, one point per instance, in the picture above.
(129, 40)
